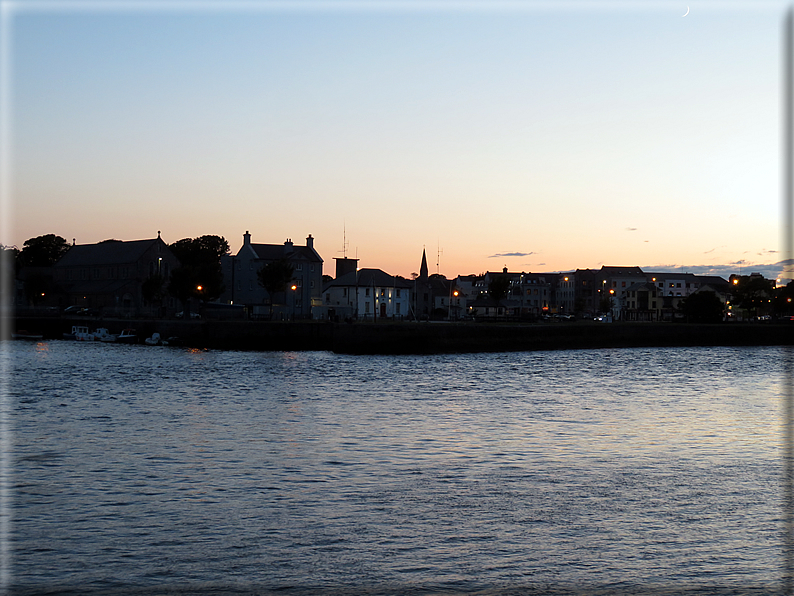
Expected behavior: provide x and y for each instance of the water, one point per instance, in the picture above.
(159, 470)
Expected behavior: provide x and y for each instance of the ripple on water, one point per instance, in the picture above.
(136, 468)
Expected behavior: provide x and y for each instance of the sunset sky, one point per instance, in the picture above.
(540, 136)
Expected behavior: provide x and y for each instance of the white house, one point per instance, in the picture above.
(368, 294)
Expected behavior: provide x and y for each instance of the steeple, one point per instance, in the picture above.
(423, 268)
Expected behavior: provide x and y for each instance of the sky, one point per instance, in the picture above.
(537, 136)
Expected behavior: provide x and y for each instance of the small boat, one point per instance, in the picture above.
(102, 334)
(128, 336)
(79, 333)
(154, 340)
(23, 334)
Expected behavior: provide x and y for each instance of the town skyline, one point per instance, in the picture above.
(525, 136)
(768, 271)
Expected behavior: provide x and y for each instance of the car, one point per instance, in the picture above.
(72, 310)
(193, 315)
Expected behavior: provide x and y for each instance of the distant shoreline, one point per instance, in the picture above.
(427, 338)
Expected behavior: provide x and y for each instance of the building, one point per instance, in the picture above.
(118, 278)
(301, 300)
(368, 294)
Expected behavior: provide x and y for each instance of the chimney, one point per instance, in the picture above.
(246, 238)
(504, 270)
(310, 242)
(288, 246)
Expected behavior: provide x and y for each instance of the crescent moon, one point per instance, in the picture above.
(686, 13)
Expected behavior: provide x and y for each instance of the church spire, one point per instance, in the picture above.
(423, 268)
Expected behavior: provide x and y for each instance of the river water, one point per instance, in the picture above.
(154, 470)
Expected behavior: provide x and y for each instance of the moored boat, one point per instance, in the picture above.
(23, 334)
(80, 333)
(103, 334)
(128, 336)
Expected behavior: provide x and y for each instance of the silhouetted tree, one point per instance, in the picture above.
(752, 292)
(274, 277)
(783, 302)
(498, 287)
(199, 274)
(702, 307)
(42, 251)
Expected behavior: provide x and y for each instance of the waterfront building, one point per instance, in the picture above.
(118, 278)
(301, 300)
(529, 295)
(368, 294)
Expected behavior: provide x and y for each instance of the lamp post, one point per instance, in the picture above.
(293, 287)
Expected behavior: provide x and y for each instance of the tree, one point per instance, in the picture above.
(42, 251)
(702, 307)
(498, 287)
(752, 292)
(274, 277)
(199, 274)
(783, 302)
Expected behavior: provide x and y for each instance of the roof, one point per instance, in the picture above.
(366, 278)
(274, 252)
(106, 253)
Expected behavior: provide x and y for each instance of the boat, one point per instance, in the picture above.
(154, 340)
(127, 336)
(23, 334)
(102, 334)
(80, 333)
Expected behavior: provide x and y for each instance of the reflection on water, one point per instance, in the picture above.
(137, 467)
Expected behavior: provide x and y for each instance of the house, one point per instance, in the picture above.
(642, 301)
(118, 278)
(301, 300)
(529, 295)
(368, 294)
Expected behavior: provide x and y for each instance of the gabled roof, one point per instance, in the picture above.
(614, 270)
(367, 278)
(639, 285)
(107, 253)
(274, 252)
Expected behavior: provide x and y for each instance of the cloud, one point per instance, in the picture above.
(776, 270)
(511, 254)
(631, 229)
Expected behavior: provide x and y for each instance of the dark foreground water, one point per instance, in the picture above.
(160, 470)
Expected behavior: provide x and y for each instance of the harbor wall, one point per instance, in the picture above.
(426, 338)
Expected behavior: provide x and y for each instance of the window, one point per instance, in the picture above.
(397, 308)
(382, 292)
(328, 297)
(250, 285)
(366, 293)
(366, 307)
(653, 304)
(344, 292)
(311, 267)
(398, 293)
(311, 284)
(299, 267)
(239, 286)
(623, 284)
